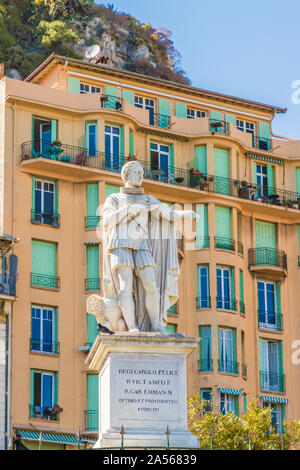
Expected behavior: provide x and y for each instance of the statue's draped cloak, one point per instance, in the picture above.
(163, 246)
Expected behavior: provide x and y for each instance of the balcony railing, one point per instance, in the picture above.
(228, 367)
(159, 120)
(205, 365)
(45, 218)
(92, 284)
(111, 102)
(91, 158)
(226, 304)
(215, 125)
(261, 143)
(44, 280)
(91, 221)
(272, 382)
(202, 242)
(224, 243)
(270, 320)
(203, 302)
(43, 412)
(267, 257)
(91, 420)
(38, 345)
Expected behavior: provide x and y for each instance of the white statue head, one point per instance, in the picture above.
(132, 174)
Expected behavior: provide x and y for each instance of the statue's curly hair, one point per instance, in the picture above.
(126, 169)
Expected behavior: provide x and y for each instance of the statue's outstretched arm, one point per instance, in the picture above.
(175, 215)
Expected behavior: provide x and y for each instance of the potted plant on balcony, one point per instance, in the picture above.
(56, 143)
(195, 172)
(131, 158)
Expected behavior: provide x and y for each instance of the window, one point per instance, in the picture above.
(195, 113)
(277, 414)
(44, 395)
(203, 299)
(44, 132)
(92, 412)
(245, 126)
(160, 161)
(92, 258)
(262, 180)
(225, 288)
(112, 148)
(84, 88)
(205, 359)
(145, 103)
(202, 236)
(92, 203)
(268, 311)
(44, 202)
(206, 395)
(91, 128)
(228, 402)
(227, 351)
(272, 378)
(43, 329)
(43, 264)
(223, 229)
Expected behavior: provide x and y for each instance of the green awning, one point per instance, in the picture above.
(274, 399)
(231, 391)
(265, 158)
(51, 437)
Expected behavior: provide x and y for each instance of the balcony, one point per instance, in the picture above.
(45, 280)
(42, 346)
(44, 218)
(267, 261)
(92, 284)
(270, 321)
(226, 304)
(224, 243)
(228, 367)
(272, 382)
(91, 420)
(205, 365)
(203, 302)
(91, 221)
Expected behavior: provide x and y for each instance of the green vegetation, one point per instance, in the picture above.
(30, 30)
(252, 430)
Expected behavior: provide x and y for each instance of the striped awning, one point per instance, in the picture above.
(265, 158)
(274, 399)
(231, 391)
(54, 438)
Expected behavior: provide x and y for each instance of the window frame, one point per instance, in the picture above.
(41, 319)
(192, 113)
(89, 89)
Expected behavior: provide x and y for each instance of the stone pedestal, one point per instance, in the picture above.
(142, 387)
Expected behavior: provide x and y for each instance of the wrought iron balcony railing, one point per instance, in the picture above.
(226, 304)
(202, 242)
(91, 221)
(215, 125)
(43, 412)
(205, 365)
(270, 320)
(159, 120)
(272, 382)
(228, 367)
(225, 243)
(267, 257)
(45, 218)
(44, 280)
(38, 345)
(91, 420)
(92, 284)
(203, 302)
(111, 102)
(261, 143)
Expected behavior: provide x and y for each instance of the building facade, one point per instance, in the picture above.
(68, 129)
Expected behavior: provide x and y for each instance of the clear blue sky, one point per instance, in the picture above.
(246, 49)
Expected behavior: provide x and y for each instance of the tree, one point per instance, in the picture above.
(56, 36)
(253, 430)
(64, 8)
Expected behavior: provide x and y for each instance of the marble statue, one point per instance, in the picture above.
(140, 259)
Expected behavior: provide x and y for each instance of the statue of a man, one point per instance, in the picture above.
(140, 259)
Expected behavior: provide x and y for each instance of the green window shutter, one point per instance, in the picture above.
(111, 189)
(242, 291)
(33, 194)
(56, 388)
(270, 179)
(53, 130)
(202, 239)
(230, 118)
(236, 405)
(92, 331)
(112, 93)
(128, 96)
(180, 110)
(232, 287)
(31, 393)
(131, 143)
(92, 199)
(201, 158)
(86, 137)
(280, 356)
(215, 115)
(56, 202)
(164, 109)
(298, 181)
(223, 222)
(92, 258)
(170, 328)
(201, 344)
(265, 234)
(43, 258)
(278, 296)
(92, 392)
(299, 240)
(172, 165)
(74, 85)
(32, 128)
(261, 356)
(221, 169)
(121, 145)
(56, 324)
(254, 173)
(234, 349)
(264, 130)
(219, 341)
(245, 402)
(282, 417)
